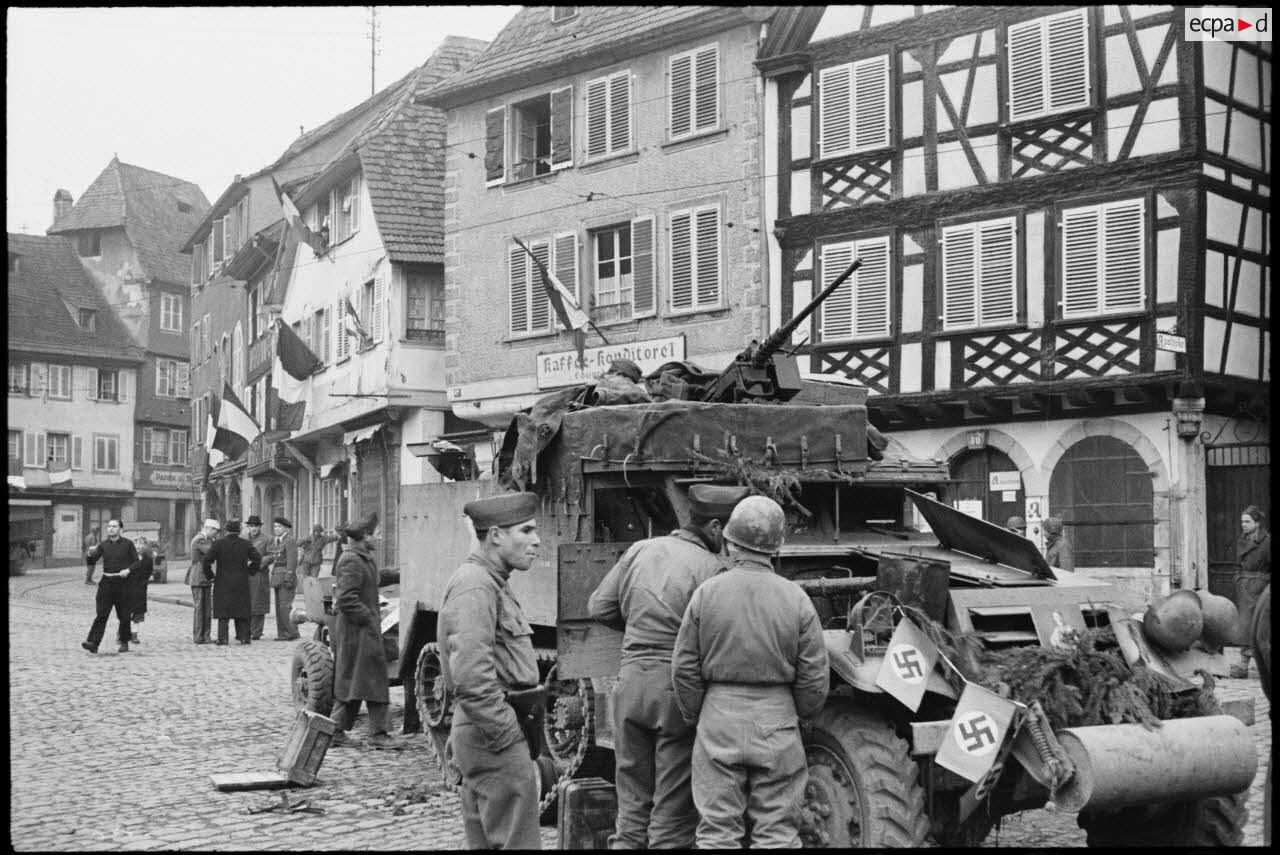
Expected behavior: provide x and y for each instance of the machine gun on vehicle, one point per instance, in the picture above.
(762, 372)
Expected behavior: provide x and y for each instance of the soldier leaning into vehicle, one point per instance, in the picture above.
(486, 652)
(645, 595)
(201, 587)
(749, 663)
(119, 559)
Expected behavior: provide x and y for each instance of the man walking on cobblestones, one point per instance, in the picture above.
(486, 651)
(237, 562)
(259, 584)
(283, 576)
(119, 558)
(201, 587)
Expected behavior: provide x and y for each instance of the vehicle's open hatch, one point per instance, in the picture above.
(959, 531)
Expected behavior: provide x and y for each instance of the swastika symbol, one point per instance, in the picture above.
(907, 661)
(976, 733)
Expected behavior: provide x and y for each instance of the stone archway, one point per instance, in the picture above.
(1033, 482)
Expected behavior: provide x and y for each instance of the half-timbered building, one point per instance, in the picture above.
(1063, 220)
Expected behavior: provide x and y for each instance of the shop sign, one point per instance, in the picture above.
(1171, 342)
(171, 478)
(1005, 481)
(562, 369)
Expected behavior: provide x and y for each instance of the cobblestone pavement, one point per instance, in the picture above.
(114, 751)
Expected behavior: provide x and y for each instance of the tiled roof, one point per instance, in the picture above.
(49, 279)
(145, 203)
(531, 49)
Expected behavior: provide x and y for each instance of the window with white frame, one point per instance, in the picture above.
(15, 444)
(346, 209)
(164, 446)
(858, 309)
(60, 382)
(424, 308)
(59, 450)
(853, 107)
(980, 274)
(1048, 65)
(106, 453)
(329, 501)
(693, 91)
(173, 378)
(529, 138)
(19, 378)
(1103, 259)
(105, 386)
(609, 115)
(171, 312)
(695, 259)
(625, 271)
(319, 221)
(178, 447)
(34, 453)
(87, 319)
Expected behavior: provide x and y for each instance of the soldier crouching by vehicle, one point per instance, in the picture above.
(486, 654)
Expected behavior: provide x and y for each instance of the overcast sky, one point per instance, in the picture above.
(201, 93)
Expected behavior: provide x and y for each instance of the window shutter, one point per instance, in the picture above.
(162, 379)
(183, 389)
(1123, 279)
(376, 312)
(1080, 250)
(355, 203)
(1026, 70)
(306, 333)
(29, 457)
(77, 452)
(197, 256)
(959, 277)
(562, 127)
(539, 305)
(997, 272)
(836, 318)
(708, 235)
(620, 112)
(682, 260)
(871, 103)
(93, 384)
(680, 94)
(229, 232)
(597, 118)
(208, 255)
(871, 289)
(146, 445)
(565, 265)
(495, 135)
(218, 237)
(122, 386)
(644, 270)
(707, 111)
(834, 105)
(328, 322)
(1068, 66)
(340, 329)
(518, 289)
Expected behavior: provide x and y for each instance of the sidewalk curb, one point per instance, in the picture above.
(177, 601)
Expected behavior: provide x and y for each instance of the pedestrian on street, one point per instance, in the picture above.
(201, 587)
(311, 551)
(92, 539)
(119, 559)
(260, 584)
(359, 662)
(1017, 525)
(486, 650)
(1057, 549)
(644, 595)
(237, 562)
(1253, 552)
(749, 663)
(139, 581)
(283, 576)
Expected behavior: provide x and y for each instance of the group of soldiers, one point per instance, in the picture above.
(720, 660)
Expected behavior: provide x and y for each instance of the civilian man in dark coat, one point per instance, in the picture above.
(119, 559)
(237, 562)
(359, 663)
(259, 585)
(282, 559)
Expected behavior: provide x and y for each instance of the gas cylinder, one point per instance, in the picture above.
(1176, 621)
(1220, 619)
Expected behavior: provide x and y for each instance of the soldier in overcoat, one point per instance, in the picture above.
(486, 650)
(260, 584)
(645, 595)
(237, 562)
(283, 574)
(201, 587)
(1253, 552)
(359, 663)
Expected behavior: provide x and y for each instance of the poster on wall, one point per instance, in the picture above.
(972, 507)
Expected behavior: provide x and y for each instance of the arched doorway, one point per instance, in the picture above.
(1101, 489)
(972, 491)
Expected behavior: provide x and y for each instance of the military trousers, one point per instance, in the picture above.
(748, 759)
(344, 715)
(499, 790)
(285, 627)
(202, 620)
(653, 749)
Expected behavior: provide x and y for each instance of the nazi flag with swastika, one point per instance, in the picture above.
(982, 724)
(907, 664)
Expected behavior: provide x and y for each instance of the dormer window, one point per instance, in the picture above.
(562, 13)
(89, 244)
(87, 319)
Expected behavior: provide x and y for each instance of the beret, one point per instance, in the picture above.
(626, 368)
(502, 511)
(212, 523)
(233, 525)
(361, 527)
(284, 522)
(1016, 522)
(1053, 525)
(716, 502)
(253, 520)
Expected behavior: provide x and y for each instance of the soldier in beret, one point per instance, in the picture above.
(644, 596)
(486, 650)
(260, 584)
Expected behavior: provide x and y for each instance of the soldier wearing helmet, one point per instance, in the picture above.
(645, 595)
(749, 664)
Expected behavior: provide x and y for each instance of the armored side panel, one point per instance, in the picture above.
(584, 647)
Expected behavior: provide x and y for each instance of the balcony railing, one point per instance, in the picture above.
(263, 453)
(434, 335)
(260, 353)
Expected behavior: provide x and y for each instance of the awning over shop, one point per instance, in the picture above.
(351, 437)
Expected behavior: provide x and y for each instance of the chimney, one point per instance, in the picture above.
(61, 204)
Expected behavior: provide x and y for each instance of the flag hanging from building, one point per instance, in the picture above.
(235, 427)
(566, 307)
(59, 473)
(981, 726)
(293, 365)
(16, 478)
(294, 218)
(351, 320)
(907, 664)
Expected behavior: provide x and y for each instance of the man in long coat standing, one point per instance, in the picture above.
(259, 585)
(283, 576)
(201, 587)
(359, 663)
(1253, 552)
(237, 561)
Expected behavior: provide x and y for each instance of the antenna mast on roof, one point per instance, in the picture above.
(373, 48)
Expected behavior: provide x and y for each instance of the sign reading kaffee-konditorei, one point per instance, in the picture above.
(562, 369)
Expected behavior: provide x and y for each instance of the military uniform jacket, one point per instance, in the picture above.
(647, 591)
(313, 548)
(748, 625)
(260, 584)
(486, 647)
(236, 561)
(1059, 554)
(359, 663)
(284, 562)
(200, 546)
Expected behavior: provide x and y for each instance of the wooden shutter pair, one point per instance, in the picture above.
(860, 307)
(495, 136)
(1048, 65)
(980, 274)
(695, 258)
(853, 107)
(1104, 259)
(609, 114)
(693, 91)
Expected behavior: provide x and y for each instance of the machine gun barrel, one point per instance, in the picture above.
(775, 342)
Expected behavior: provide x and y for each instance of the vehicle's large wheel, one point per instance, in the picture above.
(862, 789)
(312, 677)
(1211, 822)
(435, 708)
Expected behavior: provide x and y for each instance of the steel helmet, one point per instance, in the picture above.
(1176, 621)
(758, 524)
(1221, 619)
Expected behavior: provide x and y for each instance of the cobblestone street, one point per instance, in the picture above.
(114, 751)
